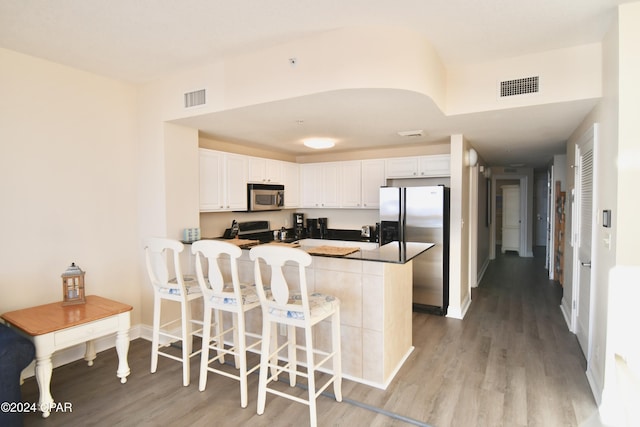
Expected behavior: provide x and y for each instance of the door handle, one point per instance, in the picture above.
(586, 264)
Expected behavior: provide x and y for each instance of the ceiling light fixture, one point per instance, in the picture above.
(319, 143)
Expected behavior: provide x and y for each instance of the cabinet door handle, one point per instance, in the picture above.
(586, 264)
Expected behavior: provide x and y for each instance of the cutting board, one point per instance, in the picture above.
(332, 250)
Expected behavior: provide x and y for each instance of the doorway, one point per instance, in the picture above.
(520, 178)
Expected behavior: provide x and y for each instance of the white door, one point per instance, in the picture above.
(584, 211)
(511, 218)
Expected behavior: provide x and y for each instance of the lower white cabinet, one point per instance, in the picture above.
(223, 181)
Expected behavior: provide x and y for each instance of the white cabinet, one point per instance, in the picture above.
(330, 185)
(373, 177)
(319, 183)
(419, 167)
(236, 182)
(291, 181)
(435, 165)
(402, 167)
(310, 179)
(211, 169)
(223, 181)
(351, 184)
(265, 171)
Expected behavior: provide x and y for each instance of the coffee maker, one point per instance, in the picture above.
(298, 225)
(312, 228)
(322, 225)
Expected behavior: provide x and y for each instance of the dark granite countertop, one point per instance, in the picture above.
(394, 252)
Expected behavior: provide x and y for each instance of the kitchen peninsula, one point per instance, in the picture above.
(374, 285)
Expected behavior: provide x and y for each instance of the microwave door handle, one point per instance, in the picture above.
(280, 198)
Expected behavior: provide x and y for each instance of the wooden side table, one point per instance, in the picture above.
(54, 327)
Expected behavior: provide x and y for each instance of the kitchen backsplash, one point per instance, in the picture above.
(213, 224)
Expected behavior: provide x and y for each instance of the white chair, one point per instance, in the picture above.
(230, 296)
(296, 310)
(180, 289)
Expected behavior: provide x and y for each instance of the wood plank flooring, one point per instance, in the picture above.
(510, 362)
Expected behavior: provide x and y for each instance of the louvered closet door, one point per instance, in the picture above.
(584, 183)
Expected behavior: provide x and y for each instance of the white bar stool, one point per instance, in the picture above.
(296, 310)
(233, 297)
(181, 289)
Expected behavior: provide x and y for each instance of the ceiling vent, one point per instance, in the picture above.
(195, 98)
(519, 86)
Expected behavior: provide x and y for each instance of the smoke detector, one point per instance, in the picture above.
(410, 132)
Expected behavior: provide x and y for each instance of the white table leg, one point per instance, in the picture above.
(90, 352)
(43, 376)
(122, 348)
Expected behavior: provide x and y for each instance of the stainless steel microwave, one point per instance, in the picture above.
(265, 197)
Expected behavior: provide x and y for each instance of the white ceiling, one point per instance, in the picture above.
(138, 40)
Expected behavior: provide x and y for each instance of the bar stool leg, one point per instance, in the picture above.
(265, 349)
(293, 357)
(311, 376)
(337, 362)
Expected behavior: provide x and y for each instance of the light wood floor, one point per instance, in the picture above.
(510, 362)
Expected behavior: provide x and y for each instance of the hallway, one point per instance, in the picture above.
(511, 362)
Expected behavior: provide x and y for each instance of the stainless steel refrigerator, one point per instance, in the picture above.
(420, 214)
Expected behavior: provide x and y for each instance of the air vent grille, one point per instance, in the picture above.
(519, 86)
(195, 98)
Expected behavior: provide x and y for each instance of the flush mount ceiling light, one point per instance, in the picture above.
(319, 143)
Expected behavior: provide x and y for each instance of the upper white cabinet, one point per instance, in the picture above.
(351, 184)
(291, 181)
(435, 165)
(419, 167)
(402, 167)
(319, 185)
(265, 171)
(373, 177)
(223, 181)
(211, 169)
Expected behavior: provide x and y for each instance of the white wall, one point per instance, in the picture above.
(459, 288)
(617, 173)
(68, 159)
(624, 204)
(565, 75)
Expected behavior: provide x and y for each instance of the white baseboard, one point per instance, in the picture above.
(483, 270)
(459, 312)
(566, 314)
